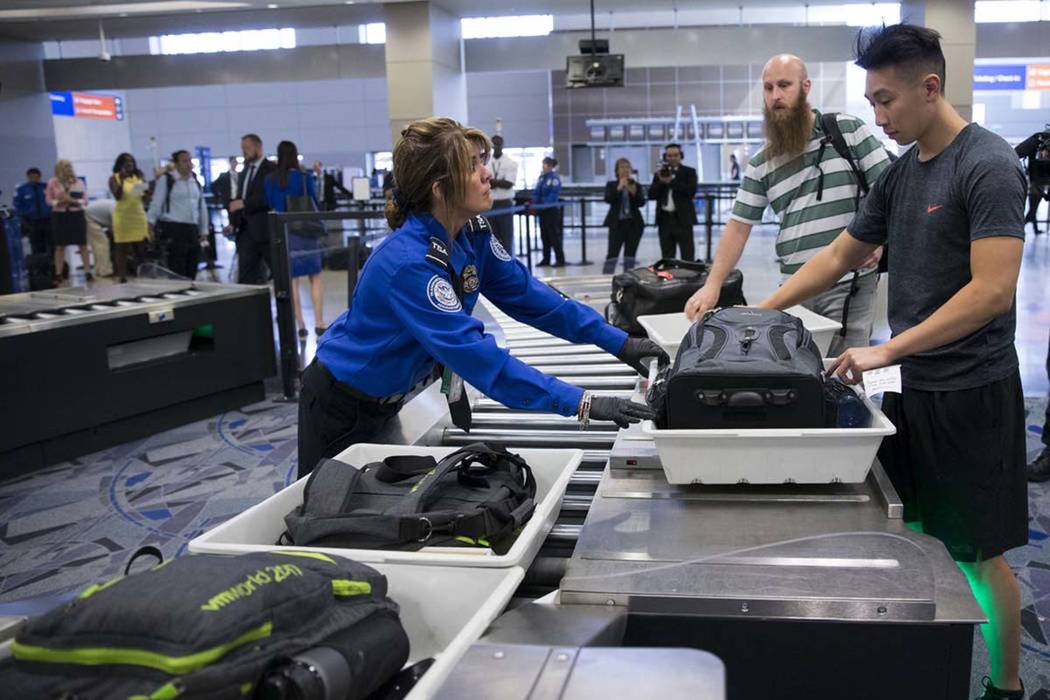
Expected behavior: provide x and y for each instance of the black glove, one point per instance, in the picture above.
(623, 412)
(636, 349)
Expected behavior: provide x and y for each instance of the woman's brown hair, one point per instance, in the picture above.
(432, 150)
(616, 168)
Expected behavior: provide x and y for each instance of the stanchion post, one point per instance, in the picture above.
(709, 220)
(528, 238)
(353, 262)
(282, 289)
(583, 232)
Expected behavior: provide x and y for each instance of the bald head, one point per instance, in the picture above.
(785, 63)
(785, 82)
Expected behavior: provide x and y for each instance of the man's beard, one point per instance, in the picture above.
(787, 130)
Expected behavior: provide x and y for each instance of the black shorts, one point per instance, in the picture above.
(958, 463)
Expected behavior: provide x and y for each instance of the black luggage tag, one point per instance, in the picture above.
(458, 404)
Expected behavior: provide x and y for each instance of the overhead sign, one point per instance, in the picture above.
(999, 77)
(87, 105)
(1039, 76)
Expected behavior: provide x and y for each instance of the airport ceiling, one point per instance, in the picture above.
(49, 20)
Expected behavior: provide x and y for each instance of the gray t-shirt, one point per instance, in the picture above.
(929, 213)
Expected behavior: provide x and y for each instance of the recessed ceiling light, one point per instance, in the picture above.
(272, 6)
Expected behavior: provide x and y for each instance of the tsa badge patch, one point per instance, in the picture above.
(470, 279)
(442, 295)
(498, 250)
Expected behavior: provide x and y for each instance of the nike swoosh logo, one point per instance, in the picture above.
(933, 208)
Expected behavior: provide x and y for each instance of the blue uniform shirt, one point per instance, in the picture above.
(548, 189)
(405, 315)
(30, 201)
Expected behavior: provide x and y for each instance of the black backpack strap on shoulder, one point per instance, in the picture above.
(169, 180)
(829, 122)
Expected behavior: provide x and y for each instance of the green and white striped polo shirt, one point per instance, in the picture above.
(789, 185)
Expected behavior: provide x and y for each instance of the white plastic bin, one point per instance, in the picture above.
(444, 610)
(259, 527)
(770, 455)
(667, 330)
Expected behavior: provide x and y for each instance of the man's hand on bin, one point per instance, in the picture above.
(635, 350)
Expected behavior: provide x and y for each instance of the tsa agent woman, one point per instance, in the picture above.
(412, 308)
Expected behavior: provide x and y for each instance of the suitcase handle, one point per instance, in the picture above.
(665, 263)
(747, 399)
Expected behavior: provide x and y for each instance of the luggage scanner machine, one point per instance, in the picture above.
(90, 368)
(816, 591)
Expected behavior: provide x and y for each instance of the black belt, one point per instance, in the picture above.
(359, 395)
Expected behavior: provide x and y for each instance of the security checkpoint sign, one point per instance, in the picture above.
(1000, 77)
(87, 105)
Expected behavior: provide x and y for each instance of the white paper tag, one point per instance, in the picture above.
(877, 381)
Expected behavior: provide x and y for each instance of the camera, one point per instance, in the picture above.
(348, 665)
(665, 169)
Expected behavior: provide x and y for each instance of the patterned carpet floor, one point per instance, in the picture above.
(77, 523)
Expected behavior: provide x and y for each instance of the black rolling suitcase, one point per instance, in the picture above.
(662, 288)
(743, 368)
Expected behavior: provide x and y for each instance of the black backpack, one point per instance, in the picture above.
(662, 288)
(210, 626)
(742, 367)
(476, 496)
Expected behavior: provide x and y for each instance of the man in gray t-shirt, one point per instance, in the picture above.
(951, 213)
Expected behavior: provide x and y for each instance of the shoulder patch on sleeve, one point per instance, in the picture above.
(498, 250)
(442, 296)
(438, 252)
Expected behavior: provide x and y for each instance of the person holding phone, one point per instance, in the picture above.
(130, 225)
(66, 196)
(625, 197)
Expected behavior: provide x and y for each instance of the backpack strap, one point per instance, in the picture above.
(829, 122)
(169, 181)
(399, 468)
(665, 263)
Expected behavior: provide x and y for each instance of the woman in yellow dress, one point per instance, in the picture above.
(130, 227)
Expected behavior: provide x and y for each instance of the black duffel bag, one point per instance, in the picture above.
(477, 496)
(662, 288)
(742, 367)
(212, 626)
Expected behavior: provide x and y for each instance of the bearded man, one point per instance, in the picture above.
(813, 191)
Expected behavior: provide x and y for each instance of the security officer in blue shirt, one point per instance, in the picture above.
(547, 191)
(413, 303)
(32, 208)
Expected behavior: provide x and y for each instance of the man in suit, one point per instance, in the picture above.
(253, 235)
(674, 186)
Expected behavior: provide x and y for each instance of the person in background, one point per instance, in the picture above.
(1039, 469)
(67, 198)
(548, 191)
(31, 205)
(252, 228)
(99, 214)
(625, 197)
(504, 175)
(673, 188)
(329, 186)
(225, 189)
(130, 225)
(178, 215)
(734, 168)
(304, 253)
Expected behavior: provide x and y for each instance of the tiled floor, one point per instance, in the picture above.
(76, 523)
